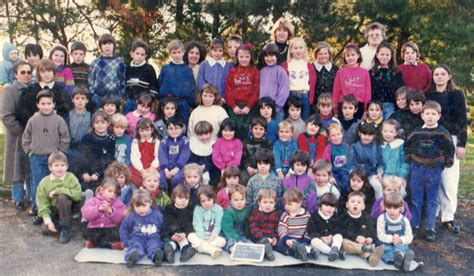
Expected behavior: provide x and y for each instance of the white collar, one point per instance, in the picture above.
(354, 216)
(199, 148)
(323, 215)
(141, 116)
(300, 212)
(425, 126)
(213, 62)
(172, 61)
(395, 143)
(149, 140)
(318, 66)
(49, 84)
(137, 65)
(413, 63)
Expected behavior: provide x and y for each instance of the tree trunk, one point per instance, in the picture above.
(404, 36)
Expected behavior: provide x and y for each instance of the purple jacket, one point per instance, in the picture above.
(305, 185)
(377, 210)
(227, 153)
(174, 152)
(274, 83)
(90, 211)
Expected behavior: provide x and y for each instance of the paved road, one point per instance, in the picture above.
(24, 251)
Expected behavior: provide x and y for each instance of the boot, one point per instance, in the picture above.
(207, 248)
(313, 254)
(64, 235)
(133, 259)
(117, 245)
(300, 251)
(407, 260)
(398, 260)
(158, 257)
(342, 254)
(268, 250)
(187, 252)
(334, 254)
(374, 259)
(368, 248)
(169, 252)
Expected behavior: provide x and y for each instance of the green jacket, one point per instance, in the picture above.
(235, 223)
(69, 186)
(162, 200)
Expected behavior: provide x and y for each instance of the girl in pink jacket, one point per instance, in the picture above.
(227, 150)
(105, 213)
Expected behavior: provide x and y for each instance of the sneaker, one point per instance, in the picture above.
(269, 252)
(169, 252)
(133, 259)
(374, 259)
(452, 226)
(334, 254)
(407, 260)
(187, 253)
(414, 231)
(37, 220)
(216, 253)
(313, 254)
(430, 235)
(64, 236)
(20, 206)
(342, 254)
(117, 245)
(158, 258)
(398, 260)
(90, 244)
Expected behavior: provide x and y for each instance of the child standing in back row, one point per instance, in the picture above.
(63, 75)
(80, 69)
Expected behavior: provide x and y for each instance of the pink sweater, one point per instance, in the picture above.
(90, 211)
(351, 80)
(227, 153)
(222, 198)
(133, 118)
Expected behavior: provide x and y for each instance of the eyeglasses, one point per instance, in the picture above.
(25, 72)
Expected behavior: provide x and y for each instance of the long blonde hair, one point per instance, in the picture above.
(297, 41)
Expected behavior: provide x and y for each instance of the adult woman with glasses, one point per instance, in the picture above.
(15, 167)
(374, 33)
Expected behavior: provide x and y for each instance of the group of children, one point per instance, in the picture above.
(330, 178)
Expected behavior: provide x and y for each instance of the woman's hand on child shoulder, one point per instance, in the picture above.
(52, 193)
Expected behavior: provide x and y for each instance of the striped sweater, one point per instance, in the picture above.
(293, 226)
(64, 78)
(263, 225)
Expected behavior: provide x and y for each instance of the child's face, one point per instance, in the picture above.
(107, 49)
(322, 56)
(292, 207)
(237, 201)
(143, 109)
(193, 56)
(47, 76)
(100, 126)
(430, 117)
(206, 202)
(118, 130)
(266, 112)
(192, 178)
(270, 60)
(232, 181)
(45, 105)
(151, 183)
(327, 210)
(410, 55)
(228, 134)
(388, 132)
(145, 133)
(208, 99)
(298, 51)
(232, 46)
(402, 101)
(143, 209)
(355, 205)
(13, 56)
(321, 177)
(416, 107)
(217, 53)
(348, 110)
(351, 57)
(80, 102)
(441, 76)
(58, 58)
(384, 56)
(108, 193)
(356, 183)
(312, 129)
(285, 134)
(366, 138)
(138, 55)
(258, 131)
(33, 59)
(58, 168)
(266, 204)
(391, 189)
(174, 131)
(374, 112)
(335, 136)
(205, 138)
(294, 112)
(177, 55)
(244, 57)
(78, 56)
(299, 168)
(282, 34)
(325, 109)
(394, 213)
(121, 179)
(181, 202)
(169, 110)
(110, 108)
(263, 168)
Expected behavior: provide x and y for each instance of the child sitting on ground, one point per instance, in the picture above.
(151, 183)
(234, 220)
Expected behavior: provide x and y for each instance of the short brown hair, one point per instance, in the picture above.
(282, 22)
(334, 126)
(80, 90)
(140, 197)
(107, 38)
(207, 191)
(238, 189)
(20, 63)
(349, 99)
(325, 99)
(211, 89)
(322, 45)
(292, 195)
(175, 44)
(180, 191)
(266, 193)
(57, 156)
(286, 124)
(203, 127)
(356, 193)
(413, 45)
(352, 47)
(138, 43)
(432, 105)
(322, 165)
(393, 200)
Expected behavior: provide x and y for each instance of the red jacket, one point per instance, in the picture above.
(242, 86)
(312, 79)
(320, 143)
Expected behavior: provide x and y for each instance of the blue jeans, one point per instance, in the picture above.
(18, 191)
(424, 183)
(306, 107)
(390, 249)
(39, 169)
(388, 109)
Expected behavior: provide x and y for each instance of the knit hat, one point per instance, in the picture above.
(7, 49)
(77, 45)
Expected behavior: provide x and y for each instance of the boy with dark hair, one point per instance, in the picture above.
(293, 110)
(80, 69)
(45, 133)
(349, 122)
(33, 54)
(429, 149)
(252, 144)
(413, 118)
(107, 72)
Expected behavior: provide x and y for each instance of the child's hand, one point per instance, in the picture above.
(51, 227)
(369, 240)
(289, 243)
(212, 237)
(86, 177)
(94, 177)
(251, 171)
(174, 171)
(360, 239)
(396, 239)
(280, 175)
(326, 239)
(273, 241)
(52, 193)
(181, 236)
(237, 110)
(333, 181)
(167, 174)
(245, 111)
